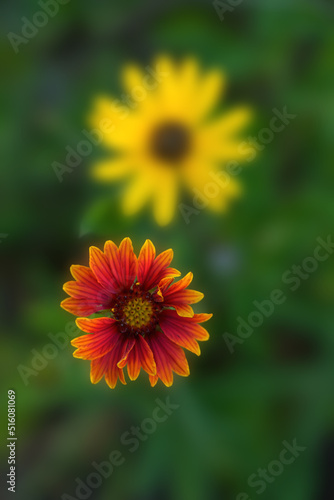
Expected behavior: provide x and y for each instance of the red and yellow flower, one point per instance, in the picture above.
(148, 318)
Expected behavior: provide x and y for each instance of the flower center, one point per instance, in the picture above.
(136, 311)
(170, 142)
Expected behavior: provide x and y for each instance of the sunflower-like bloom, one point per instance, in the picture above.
(163, 138)
(147, 318)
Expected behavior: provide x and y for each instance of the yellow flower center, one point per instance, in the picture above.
(137, 312)
(170, 142)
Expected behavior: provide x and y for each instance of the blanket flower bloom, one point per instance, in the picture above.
(147, 317)
(163, 137)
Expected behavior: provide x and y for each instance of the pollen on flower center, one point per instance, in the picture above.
(170, 141)
(136, 311)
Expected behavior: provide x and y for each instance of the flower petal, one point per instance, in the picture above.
(132, 76)
(184, 310)
(165, 198)
(102, 338)
(108, 116)
(87, 294)
(171, 272)
(113, 372)
(98, 368)
(109, 170)
(229, 123)
(107, 366)
(99, 263)
(168, 357)
(184, 331)
(153, 379)
(128, 262)
(165, 284)
(137, 193)
(145, 260)
(122, 262)
(127, 348)
(176, 296)
(152, 269)
(140, 356)
(210, 90)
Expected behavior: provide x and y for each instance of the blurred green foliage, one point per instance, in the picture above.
(235, 409)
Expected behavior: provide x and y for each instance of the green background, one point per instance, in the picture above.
(235, 409)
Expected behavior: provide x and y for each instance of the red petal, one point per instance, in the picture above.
(97, 368)
(188, 296)
(78, 307)
(168, 357)
(102, 338)
(201, 318)
(128, 262)
(183, 310)
(182, 331)
(153, 379)
(176, 296)
(150, 269)
(145, 260)
(165, 283)
(127, 348)
(113, 372)
(88, 296)
(179, 285)
(171, 272)
(123, 262)
(107, 366)
(99, 263)
(140, 356)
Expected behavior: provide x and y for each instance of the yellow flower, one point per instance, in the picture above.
(165, 137)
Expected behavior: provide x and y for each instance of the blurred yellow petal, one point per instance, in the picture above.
(108, 170)
(225, 151)
(220, 202)
(132, 77)
(164, 65)
(210, 90)
(189, 76)
(218, 140)
(165, 198)
(169, 87)
(136, 194)
(107, 113)
(186, 83)
(115, 122)
(229, 124)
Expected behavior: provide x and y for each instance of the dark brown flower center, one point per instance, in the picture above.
(170, 142)
(136, 311)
